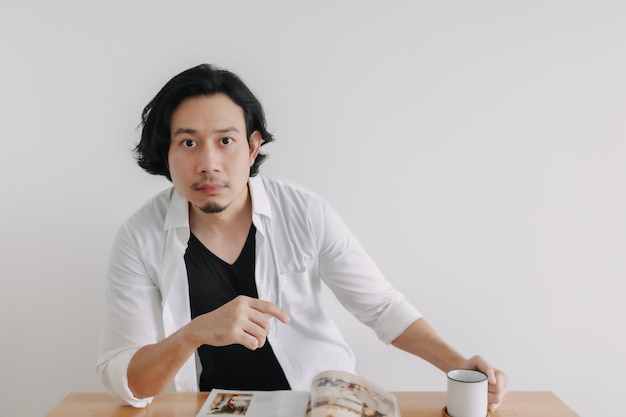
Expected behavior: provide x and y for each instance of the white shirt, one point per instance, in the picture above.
(300, 242)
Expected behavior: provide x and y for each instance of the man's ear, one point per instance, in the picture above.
(254, 143)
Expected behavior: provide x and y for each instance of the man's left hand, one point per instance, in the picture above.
(498, 380)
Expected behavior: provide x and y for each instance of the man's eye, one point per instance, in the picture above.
(188, 143)
(227, 141)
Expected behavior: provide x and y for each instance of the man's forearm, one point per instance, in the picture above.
(154, 367)
(421, 340)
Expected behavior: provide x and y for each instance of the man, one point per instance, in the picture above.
(216, 281)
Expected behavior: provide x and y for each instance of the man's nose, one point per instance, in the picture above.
(209, 160)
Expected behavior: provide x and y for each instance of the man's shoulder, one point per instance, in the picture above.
(153, 212)
(291, 202)
(280, 188)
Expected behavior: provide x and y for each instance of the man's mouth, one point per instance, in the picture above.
(210, 188)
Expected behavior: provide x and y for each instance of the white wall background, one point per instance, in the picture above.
(477, 149)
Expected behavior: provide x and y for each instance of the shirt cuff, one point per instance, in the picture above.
(395, 320)
(115, 379)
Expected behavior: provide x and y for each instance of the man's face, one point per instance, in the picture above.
(209, 156)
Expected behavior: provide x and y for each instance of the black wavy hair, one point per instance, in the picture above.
(203, 80)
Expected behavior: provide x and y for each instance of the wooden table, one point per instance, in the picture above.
(412, 404)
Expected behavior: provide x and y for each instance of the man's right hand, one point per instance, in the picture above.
(243, 320)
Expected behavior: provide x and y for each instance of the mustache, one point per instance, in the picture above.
(211, 179)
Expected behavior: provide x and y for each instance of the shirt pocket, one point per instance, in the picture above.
(298, 292)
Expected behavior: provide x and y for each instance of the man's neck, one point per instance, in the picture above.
(224, 233)
(236, 216)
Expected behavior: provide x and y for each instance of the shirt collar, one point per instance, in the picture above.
(258, 194)
(178, 209)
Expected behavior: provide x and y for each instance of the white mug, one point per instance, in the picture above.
(467, 393)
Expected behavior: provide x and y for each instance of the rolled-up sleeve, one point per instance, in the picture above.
(114, 378)
(132, 317)
(357, 282)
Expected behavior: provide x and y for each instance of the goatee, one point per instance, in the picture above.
(212, 208)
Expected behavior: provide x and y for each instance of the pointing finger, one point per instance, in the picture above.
(271, 309)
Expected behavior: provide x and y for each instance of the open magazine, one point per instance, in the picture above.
(332, 394)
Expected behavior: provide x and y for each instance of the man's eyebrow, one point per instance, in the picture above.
(227, 129)
(186, 130)
(190, 131)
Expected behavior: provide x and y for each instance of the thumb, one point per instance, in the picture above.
(480, 364)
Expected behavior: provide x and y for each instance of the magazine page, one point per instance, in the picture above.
(341, 394)
(255, 403)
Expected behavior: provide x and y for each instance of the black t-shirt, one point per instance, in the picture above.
(212, 283)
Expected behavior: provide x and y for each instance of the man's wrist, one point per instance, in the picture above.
(189, 336)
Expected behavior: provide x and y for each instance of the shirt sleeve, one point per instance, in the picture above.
(358, 283)
(131, 319)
